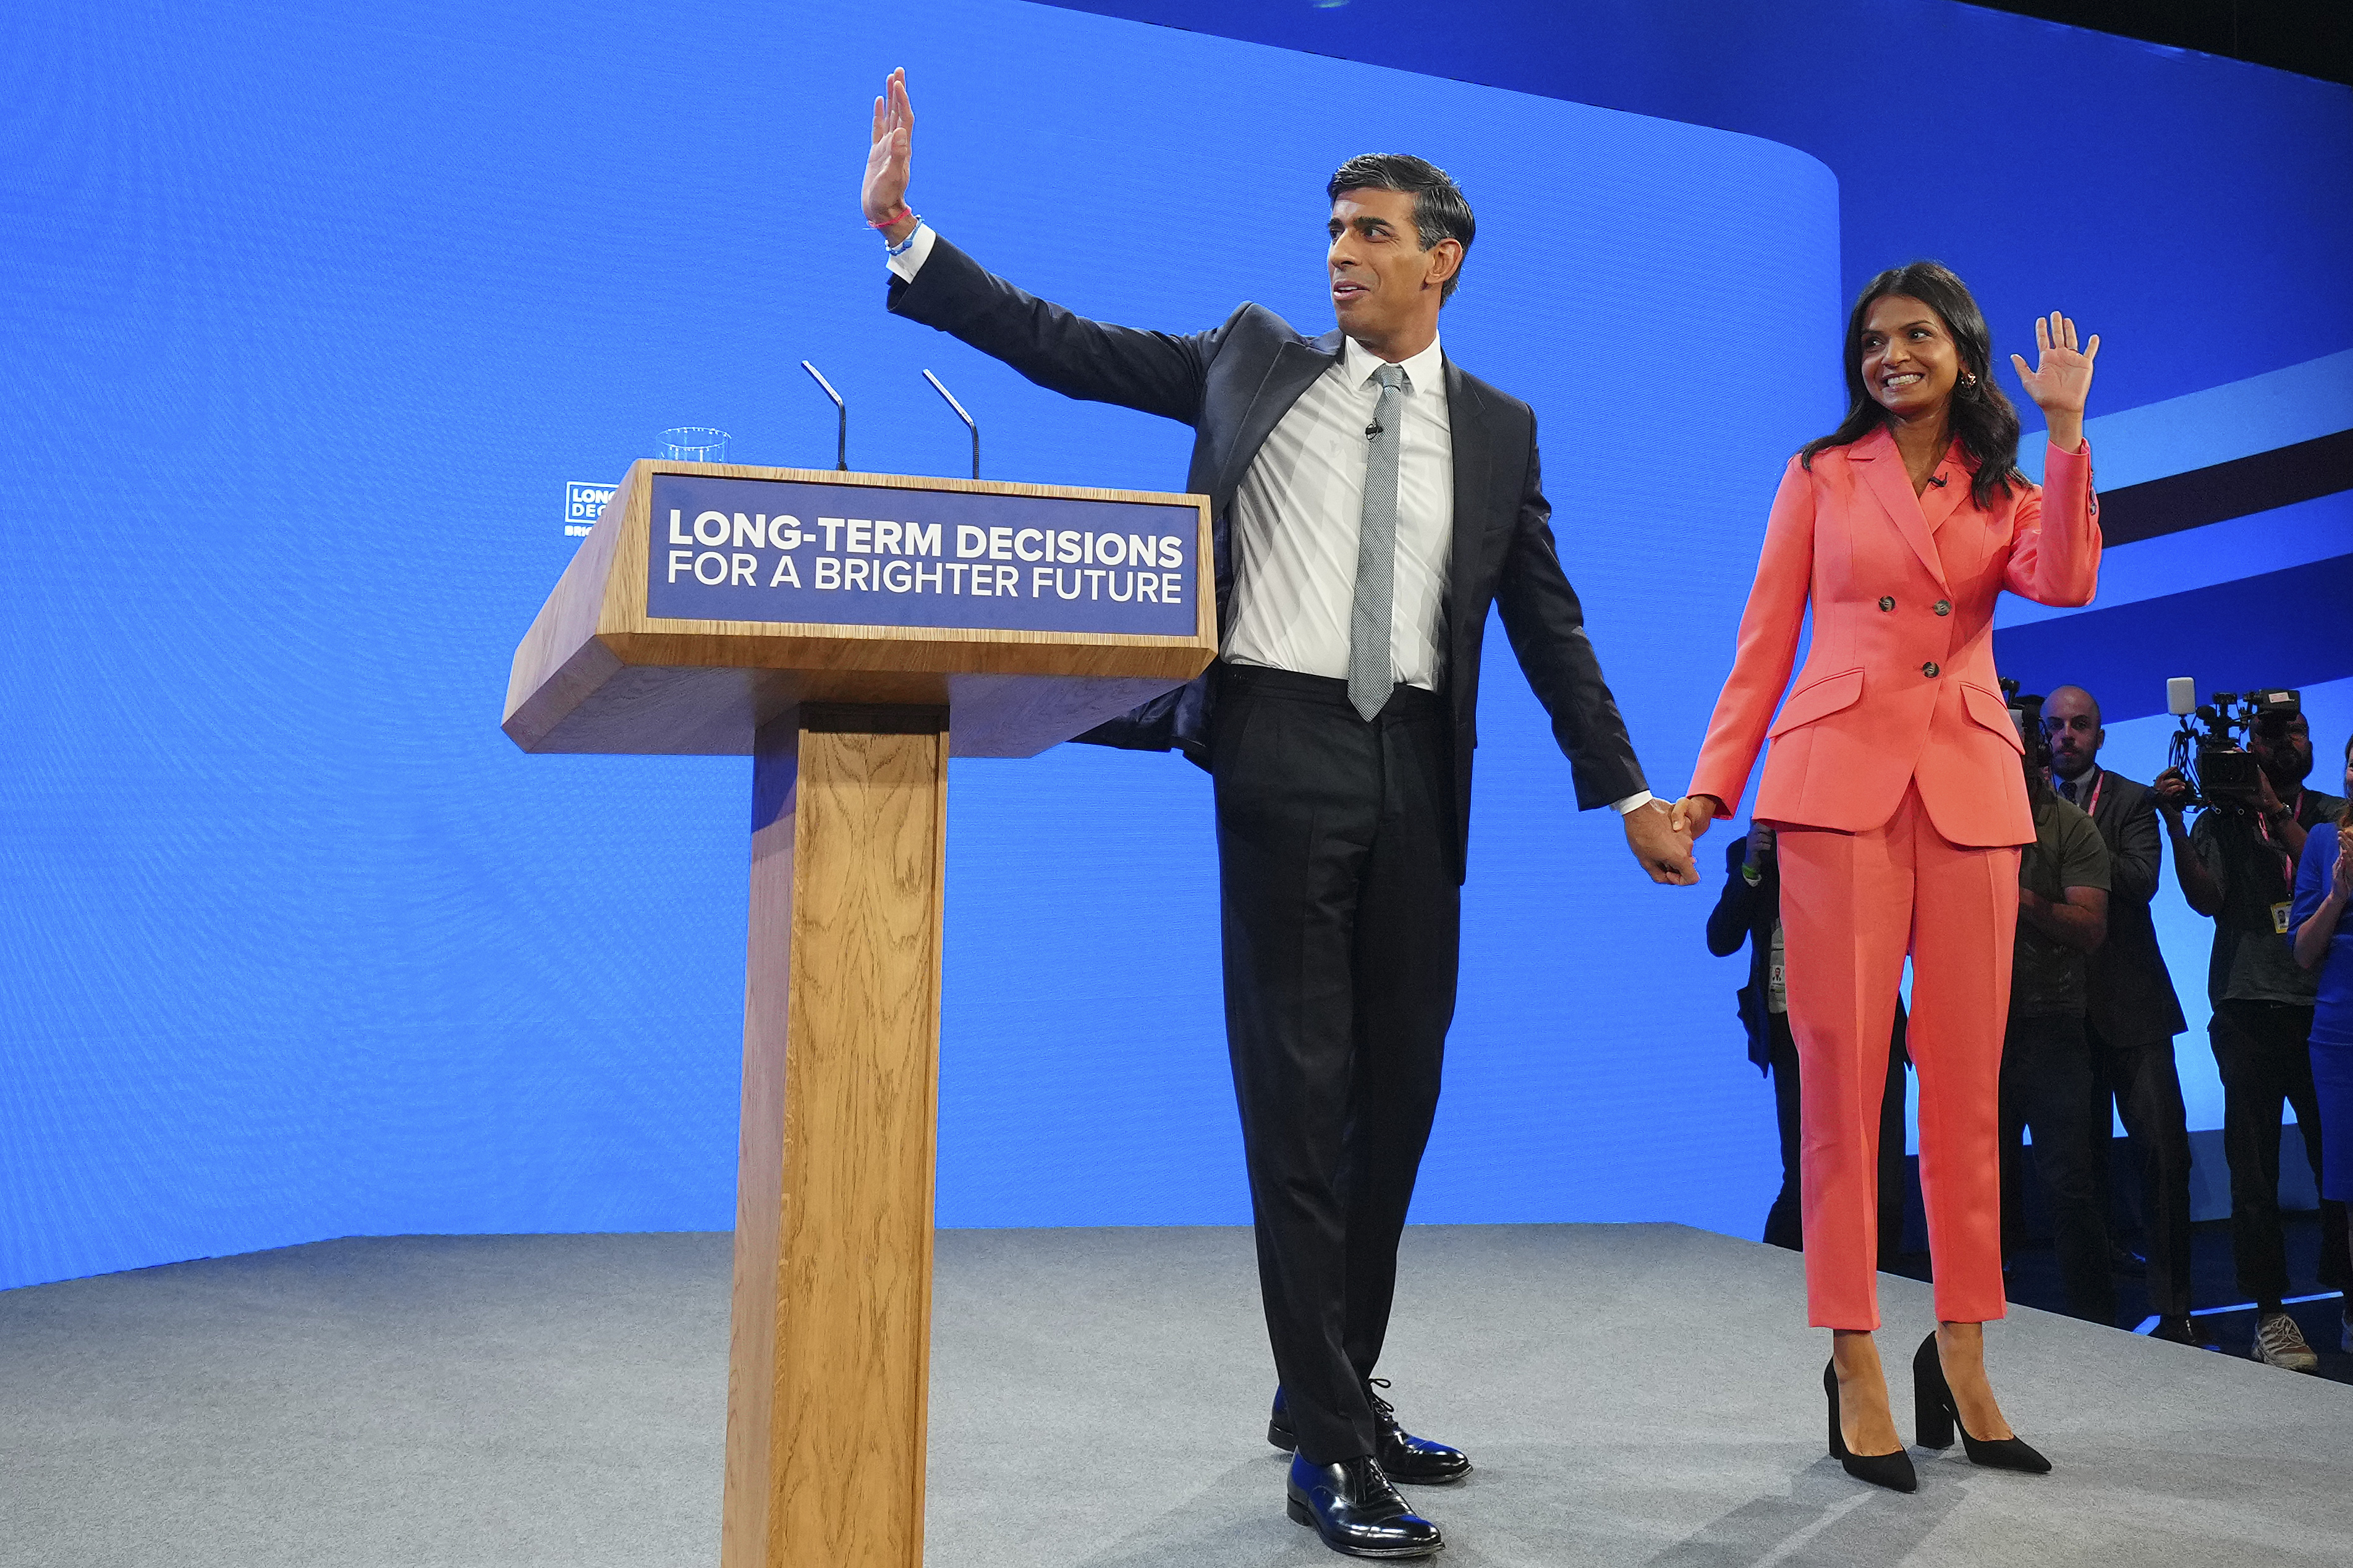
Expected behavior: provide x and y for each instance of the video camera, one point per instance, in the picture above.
(2207, 750)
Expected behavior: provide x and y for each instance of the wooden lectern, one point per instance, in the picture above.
(716, 608)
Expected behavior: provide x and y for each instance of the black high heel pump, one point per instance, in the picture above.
(1893, 1471)
(1940, 1417)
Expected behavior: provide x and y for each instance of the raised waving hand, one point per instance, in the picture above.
(884, 196)
(2062, 380)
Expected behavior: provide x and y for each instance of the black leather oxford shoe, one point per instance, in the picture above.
(1405, 1458)
(1353, 1509)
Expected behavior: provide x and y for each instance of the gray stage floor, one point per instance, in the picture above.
(1631, 1394)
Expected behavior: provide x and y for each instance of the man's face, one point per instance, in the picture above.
(2288, 757)
(1382, 280)
(2074, 730)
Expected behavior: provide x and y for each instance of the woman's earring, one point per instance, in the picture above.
(1970, 382)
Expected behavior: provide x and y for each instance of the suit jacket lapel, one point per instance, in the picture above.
(1882, 470)
(1290, 373)
(1466, 419)
(1941, 501)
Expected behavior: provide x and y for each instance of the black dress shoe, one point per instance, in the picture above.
(2185, 1331)
(1405, 1458)
(1353, 1509)
(1893, 1471)
(1939, 1416)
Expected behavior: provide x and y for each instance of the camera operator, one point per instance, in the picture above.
(1749, 910)
(2046, 1064)
(2131, 1013)
(2238, 868)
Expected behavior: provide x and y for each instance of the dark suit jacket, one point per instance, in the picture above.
(2130, 999)
(1232, 384)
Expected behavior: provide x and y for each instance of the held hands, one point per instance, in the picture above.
(2061, 382)
(1692, 814)
(2340, 887)
(1659, 844)
(884, 194)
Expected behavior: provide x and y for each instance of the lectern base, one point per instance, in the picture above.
(828, 1375)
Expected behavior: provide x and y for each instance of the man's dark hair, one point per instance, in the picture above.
(1438, 210)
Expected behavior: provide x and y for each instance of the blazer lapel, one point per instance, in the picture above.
(1290, 373)
(1940, 501)
(1882, 470)
(1466, 420)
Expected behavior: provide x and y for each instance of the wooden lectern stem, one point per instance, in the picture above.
(829, 1368)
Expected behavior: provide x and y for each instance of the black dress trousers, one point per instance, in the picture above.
(2142, 1082)
(1341, 926)
(2046, 1085)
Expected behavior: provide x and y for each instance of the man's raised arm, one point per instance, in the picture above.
(936, 284)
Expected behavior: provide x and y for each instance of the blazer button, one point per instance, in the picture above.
(1886, 604)
(1929, 669)
(1944, 606)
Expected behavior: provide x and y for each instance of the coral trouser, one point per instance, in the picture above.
(1852, 905)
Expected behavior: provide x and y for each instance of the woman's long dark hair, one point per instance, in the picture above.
(1982, 419)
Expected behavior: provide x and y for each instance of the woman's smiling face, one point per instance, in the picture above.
(1910, 364)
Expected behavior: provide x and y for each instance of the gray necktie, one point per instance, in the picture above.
(1369, 618)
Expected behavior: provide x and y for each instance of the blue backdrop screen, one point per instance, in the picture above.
(317, 316)
(327, 324)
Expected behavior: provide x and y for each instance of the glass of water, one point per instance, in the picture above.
(694, 444)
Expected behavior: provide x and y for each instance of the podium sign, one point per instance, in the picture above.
(765, 550)
(850, 633)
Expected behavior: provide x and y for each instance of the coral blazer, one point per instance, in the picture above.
(1899, 688)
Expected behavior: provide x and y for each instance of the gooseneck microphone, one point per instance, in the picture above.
(960, 414)
(841, 441)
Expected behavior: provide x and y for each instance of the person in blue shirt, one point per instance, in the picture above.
(2323, 940)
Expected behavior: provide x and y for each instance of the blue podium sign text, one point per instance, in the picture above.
(780, 550)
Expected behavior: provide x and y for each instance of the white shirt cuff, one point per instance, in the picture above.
(1634, 802)
(910, 262)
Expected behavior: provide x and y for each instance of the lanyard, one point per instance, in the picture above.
(2099, 782)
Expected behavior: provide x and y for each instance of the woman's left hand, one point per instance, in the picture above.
(2062, 382)
(2341, 885)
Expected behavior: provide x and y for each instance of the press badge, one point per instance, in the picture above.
(2279, 918)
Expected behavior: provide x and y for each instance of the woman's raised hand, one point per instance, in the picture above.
(2062, 380)
(887, 159)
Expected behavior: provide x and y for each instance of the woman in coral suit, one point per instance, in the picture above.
(1895, 784)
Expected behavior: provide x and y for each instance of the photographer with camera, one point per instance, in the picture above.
(2238, 868)
(2046, 1061)
(2132, 1013)
(2324, 944)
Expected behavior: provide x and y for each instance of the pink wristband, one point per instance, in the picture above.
(904, 211)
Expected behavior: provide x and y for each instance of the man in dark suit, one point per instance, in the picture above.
(2132, 1013)
(1370, 501)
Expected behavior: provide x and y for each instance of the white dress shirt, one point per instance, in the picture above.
(1300, 508)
